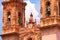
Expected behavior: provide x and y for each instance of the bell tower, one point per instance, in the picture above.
(50, 19)
(49, 12)
(13, 18)
(13, 15)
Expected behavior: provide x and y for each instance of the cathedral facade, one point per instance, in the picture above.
(14, 21)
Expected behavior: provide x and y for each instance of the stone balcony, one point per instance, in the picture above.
(53, 20)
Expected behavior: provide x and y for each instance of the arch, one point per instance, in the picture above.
(19, 18)
(8, 18)
(19, 14)
(29, 39)
(59, 8)
(48, 11)
(48, 2)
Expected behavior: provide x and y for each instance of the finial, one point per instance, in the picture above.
(31, 15)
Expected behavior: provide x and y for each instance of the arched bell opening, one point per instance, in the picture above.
(29, 38)
(48, 12)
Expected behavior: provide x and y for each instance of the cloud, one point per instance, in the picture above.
(30, 8)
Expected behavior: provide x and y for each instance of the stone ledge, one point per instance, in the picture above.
(50, 26)
(10, 34)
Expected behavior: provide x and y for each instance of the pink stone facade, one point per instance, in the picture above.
(51, 34)
(49, 28)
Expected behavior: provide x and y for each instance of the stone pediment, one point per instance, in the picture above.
(30, 33)
(27, 31)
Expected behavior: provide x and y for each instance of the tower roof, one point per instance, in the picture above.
(31, 20)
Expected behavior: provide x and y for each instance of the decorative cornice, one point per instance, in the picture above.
(5, 34)
(50, 26)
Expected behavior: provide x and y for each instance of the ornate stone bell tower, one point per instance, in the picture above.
(13, 18)
(50, 19)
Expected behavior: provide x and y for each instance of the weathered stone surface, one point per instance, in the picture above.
(49, 28)
(50, 25)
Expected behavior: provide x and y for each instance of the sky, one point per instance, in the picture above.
(33, 6)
